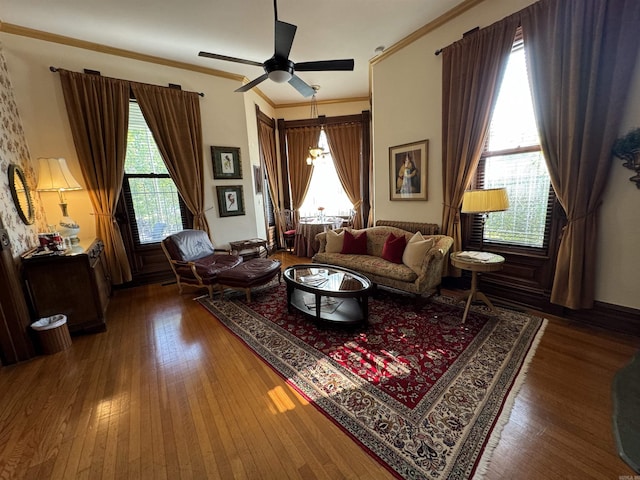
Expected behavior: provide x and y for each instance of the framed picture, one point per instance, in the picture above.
(226, 162)
(408, 170)
(230, 200)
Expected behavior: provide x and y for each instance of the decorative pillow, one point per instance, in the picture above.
(414, 253)
(334, 241)
(394, 248)
(354, 245)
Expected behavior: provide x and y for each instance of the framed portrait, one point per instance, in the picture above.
(226, 162)
(230, 201)
(408, 171)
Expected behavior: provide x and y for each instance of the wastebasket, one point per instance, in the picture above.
(53, 333)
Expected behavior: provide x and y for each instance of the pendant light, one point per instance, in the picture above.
(316, 152)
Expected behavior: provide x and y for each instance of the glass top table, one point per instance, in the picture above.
(328, 293)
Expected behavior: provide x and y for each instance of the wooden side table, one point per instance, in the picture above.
(252, 248)
(476, 262)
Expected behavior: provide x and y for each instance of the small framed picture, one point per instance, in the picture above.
(226, 162)
(408, 170)
(230, 200)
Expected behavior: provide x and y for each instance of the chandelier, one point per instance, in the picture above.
(315, 153)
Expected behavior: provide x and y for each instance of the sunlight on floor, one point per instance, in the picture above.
(281, 400)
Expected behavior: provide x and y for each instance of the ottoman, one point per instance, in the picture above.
(253, 273)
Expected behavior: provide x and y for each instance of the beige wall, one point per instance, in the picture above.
(407, 107)
(329, 109)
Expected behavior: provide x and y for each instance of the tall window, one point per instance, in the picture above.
(513, 159)
(153, 204)
(325, 189)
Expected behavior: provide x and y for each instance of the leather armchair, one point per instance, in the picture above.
(195, 261)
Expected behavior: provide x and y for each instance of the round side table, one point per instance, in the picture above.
(476, 262)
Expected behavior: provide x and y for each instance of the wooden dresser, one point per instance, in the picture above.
(75, 284)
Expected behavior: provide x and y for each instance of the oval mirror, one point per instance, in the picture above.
(21, 194)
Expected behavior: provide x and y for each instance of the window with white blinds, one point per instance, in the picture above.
(153, 204)
(513, 159)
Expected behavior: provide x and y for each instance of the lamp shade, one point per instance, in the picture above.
(54, 176)
(483, 201)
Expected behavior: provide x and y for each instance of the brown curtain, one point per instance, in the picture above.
(581, 56)
(173, 117)
(345, 145)
(267, 141)
(471, 74)
(98, 111)
(298, 142)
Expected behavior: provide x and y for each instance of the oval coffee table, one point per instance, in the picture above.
(328, 293)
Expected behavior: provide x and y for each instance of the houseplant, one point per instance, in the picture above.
(627, 148)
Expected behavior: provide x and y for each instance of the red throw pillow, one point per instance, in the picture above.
(354, 245)
(394, 248)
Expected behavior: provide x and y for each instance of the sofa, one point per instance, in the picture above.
(419, 273)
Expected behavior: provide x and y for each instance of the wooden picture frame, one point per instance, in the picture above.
(226, 162)
(230, 200)
(408, 171)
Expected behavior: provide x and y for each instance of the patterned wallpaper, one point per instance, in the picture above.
(13, 149)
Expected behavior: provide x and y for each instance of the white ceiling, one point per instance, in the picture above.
(178, 30)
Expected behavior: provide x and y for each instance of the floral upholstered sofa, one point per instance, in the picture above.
(418, 268)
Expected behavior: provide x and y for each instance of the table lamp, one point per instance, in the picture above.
(484, 202)
(54, 176)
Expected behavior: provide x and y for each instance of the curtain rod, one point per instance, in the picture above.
(473, 30)
(171, 85)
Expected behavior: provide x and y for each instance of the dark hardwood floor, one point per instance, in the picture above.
(168, 392)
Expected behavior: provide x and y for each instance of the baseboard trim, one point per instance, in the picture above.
(614, 318)
(608, 316)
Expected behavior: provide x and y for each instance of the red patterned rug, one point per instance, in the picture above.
(422, 392)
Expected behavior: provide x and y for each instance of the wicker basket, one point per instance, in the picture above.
(53, 334)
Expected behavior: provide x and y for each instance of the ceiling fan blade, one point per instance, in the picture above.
(253, 83)
(284, 38)
(322, 65)
(300, 85)
(229, 59)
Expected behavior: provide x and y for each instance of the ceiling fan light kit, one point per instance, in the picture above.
(279, 68)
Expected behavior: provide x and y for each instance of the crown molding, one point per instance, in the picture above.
(429, 27)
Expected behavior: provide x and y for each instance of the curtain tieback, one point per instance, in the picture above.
(108, 215)
(590, 213)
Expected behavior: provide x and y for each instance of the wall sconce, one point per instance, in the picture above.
(627, 148)
(484, 202)
(54, 176)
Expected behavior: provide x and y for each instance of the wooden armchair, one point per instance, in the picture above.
(195, 261)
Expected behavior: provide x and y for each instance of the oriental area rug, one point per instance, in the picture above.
(423, 393)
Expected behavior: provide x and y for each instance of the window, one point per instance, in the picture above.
(513, 159)
(154, 206)
(325, 189)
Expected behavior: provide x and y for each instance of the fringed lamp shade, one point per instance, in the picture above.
(485, 201)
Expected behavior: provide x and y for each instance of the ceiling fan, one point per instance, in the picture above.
(279, 68)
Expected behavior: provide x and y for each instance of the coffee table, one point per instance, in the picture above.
(328, 293)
